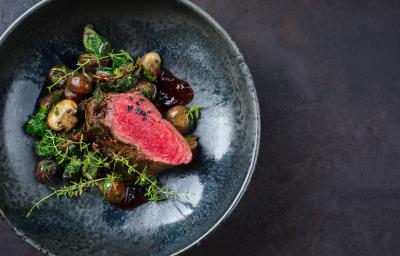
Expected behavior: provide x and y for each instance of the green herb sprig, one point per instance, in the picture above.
(36, 125)
(76, 189)
(193, 115)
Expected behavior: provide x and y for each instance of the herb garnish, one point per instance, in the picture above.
(64, 150)
(81, 66)
(76, 189)
(193, 115)
(95, 43)
(36, 125)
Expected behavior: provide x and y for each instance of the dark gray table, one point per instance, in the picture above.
(328, 177)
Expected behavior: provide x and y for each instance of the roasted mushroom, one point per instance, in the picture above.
(45, 170)
(51, 99)
(80, 84)
(178, 116)
(91, 62)
(113, 190)
(68, 94)
(63, 116)
(57, 75)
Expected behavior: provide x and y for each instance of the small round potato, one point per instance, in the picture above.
(63, 116)
(178, 116)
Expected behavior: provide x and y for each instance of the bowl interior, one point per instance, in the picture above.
(194, 50)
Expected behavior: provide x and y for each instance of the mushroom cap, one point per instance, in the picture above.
(62, 116)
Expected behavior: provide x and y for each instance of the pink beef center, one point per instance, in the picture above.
(136, 121)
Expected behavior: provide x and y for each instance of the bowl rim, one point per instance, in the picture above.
(249, 82)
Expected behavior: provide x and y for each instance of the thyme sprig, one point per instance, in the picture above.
(82, 66)
(154, 192)
(76, 189)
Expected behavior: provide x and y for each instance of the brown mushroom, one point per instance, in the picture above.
(92, 62)
(45, 170)
(113, 190)
(57, 75)
(51, 98)
(80, 84)
(63, 116)
(178, 116)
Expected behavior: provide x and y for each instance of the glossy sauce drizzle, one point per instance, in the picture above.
(172, 91)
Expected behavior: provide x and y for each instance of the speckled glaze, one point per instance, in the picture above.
(195, 49)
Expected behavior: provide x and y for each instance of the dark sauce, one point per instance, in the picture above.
(134, 197)
(171, 91)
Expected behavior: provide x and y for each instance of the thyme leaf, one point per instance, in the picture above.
(76, 189)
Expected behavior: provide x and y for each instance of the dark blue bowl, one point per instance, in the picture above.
(195, 48)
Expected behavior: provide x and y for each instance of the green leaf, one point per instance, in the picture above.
(125, 83)
(90, 171)
(45, 148)
(122, 58)
(104, 73)
(73, 168)
(193, 115)
(122, 70)
(90, 165)
(63, 69)
(188, 137)
(146, 91)
(95, 43)
(36, 125)
(122, 84)
(148, 75)
(127, 68)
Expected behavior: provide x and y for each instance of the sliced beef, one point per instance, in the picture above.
(130, 125)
